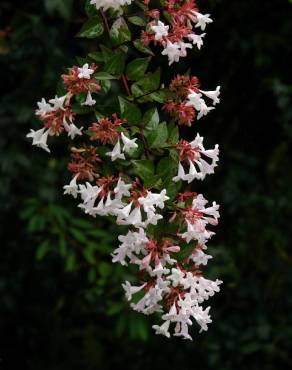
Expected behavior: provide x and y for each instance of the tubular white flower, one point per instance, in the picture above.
(172, 50)
(197, 39)
(130, 290)
(39, 138)
(128, 143)
(160, 30)
(116, 152)
(89, 101)
(73, 130)
(43, 108)
(202, 20)
(72, 188)
(163, 329)
(213, 95)
(58, 102)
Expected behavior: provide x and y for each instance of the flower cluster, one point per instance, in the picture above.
(188, 102)
(201, 161)
(179, 35)
(128, 165)
(177, 289)
(57, 114)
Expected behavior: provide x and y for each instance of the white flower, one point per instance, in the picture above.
(152, 200)
(128, 143)
(85, 72)
(89, 100)
(183, 48)
(130, 290)
(196, 39)
(122, 189)
(194, 100)
(134, 218)
(39, 138)
(89, 193)
(106, 4)
(213, 95)
(200, 258)
(204, 109)
(163, 329)
(160, 30)
(172, 50)
(44, 108)
(202, 317)
(124, 213)
(202, 20)
(171, 315)
(72, 188)
(181, 174)
(73, 130)
(116, 152)
(58, 102)
(176, 277)
(183, 327)
(160, 270)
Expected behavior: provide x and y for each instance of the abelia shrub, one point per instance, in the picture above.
(127, 164)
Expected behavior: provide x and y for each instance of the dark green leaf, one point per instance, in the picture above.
(130, 111)
(92, 28)
(137, 68)
(157, 138)
(151, 119)
(116, 64)
(104, 76)
(138, 21)
(120, 32)
(144, 49)
(144, 168)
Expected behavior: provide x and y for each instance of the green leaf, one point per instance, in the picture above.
(42, 250)
(137, 68)
(150, 82)
(120, 32)
(173, 133)
(104, 76)
(78, 235)
(96, 56)
(130, 111)
(116, 64)
(157, 138)
(161, 96)
(138, 21)
(151, 119)
(106, 53)
(144, 168)
(141, 47)
(105, 85)
(166, 167)
(92, 28)
(90, 9)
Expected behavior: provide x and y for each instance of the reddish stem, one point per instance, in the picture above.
(105, 21)
(126, 86)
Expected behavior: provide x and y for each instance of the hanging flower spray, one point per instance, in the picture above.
(127, 164)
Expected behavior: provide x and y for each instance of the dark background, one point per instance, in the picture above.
(61, 303)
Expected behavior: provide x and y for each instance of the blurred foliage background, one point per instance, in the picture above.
(61, 302)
